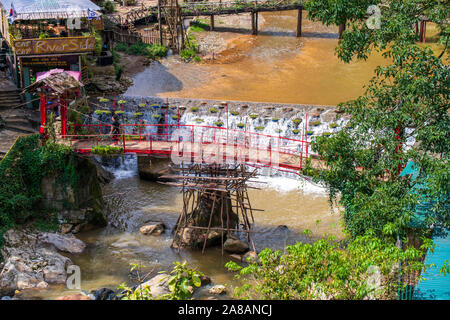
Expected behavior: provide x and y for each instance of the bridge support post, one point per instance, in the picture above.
(254, 23)
(299, 23)
(211, 24)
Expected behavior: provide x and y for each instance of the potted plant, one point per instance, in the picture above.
(194, 109)
(199, 120)
(295, 131)
(309, 133)
(213, 110)
(253, 116)
(218, 123)
(241, 125)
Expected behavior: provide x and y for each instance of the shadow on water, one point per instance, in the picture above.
(279, 33)
(153, 80)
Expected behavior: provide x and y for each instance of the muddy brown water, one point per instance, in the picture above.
(275, 66)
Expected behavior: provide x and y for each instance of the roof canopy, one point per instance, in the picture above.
(49, 9)
(57, 80)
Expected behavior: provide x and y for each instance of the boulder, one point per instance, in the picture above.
(77, 204)
(104, 294)
(217, 289)
(66, 243)
(32, 259)
(153, 228)
(234, 245)
(158, 285)
(205, 280)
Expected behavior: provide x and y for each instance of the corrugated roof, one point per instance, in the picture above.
(49, 9)
(436, 285)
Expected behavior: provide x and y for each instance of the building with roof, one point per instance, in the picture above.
(41, 35)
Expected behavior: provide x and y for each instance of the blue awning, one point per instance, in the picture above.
(435, 285)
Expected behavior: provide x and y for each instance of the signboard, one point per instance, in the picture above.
(49, 62)
(54, 45)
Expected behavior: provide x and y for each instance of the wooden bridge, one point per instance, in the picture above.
(193, 9)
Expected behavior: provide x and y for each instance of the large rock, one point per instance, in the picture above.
(104, 294)
(153, 228)
(234, 245)
(66, 243)
(158, 285)
(152, 168)
(32, 259)
(80, 205)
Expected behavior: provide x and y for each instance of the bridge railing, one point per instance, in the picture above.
(164, 138)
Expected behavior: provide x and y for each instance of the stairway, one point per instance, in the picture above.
(9, 94)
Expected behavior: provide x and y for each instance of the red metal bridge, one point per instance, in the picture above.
(193, 144)
(184, 143)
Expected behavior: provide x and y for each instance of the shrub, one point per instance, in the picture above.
(325, 270)
(241, 125)
(309, 133)
(194, 109)
(199, 120)
(156, 116)
(315, 123)
(122, 47)
(106, 150)
(213, 110)
(156, 51)
(260, 128)
(295, 131)
(219, 123)
(253, 116)
(234, 113)
(108, 6)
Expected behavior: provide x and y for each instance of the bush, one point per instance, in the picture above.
(327, 270)
(155, 51)
(106, 150)
(108, 7)
(121, 47)
(21, 173)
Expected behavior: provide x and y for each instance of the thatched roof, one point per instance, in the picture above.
(59, 83)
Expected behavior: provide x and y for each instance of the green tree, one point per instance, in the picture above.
(403, 116)
(365, 269)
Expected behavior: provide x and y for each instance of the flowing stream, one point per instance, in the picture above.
(290, 206)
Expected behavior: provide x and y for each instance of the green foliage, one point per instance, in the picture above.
(151, 51)
(406, 99)
(218, 123)
(156, 51)
(21, 173)
(213, 110)
(199, 26)
(191, 50)
(241, 125)
(259, 128)
(181, 281)
(108, 6)
(295, 131)
(325, 269)
(253, 116)
(106, 150)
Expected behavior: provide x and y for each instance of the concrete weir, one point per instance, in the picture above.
(153, 167)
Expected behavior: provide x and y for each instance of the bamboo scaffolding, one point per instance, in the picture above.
(226, 194)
